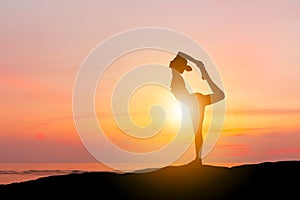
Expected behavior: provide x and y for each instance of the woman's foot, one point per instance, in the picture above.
(196, 162)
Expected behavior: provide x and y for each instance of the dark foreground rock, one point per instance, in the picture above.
(257, 181)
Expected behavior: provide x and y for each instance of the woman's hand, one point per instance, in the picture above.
(204, 73)
(190, 58)
(199, 64)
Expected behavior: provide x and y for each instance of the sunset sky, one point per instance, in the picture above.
(254, 44)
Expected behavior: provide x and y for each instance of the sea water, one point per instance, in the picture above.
(19, 172)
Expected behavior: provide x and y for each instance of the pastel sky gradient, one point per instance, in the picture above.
(254, 44)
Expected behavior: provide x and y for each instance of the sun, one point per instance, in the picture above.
(175, 109)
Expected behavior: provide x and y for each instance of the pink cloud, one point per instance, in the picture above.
(232, 150)
(19, 82)
(40, 136)
(266, 111)
(287, 150)
(232, 147)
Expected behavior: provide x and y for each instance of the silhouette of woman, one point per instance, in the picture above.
(195, 102)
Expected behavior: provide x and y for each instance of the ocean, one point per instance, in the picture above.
(19, 172)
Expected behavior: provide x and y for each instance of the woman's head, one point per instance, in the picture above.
(180, 64)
